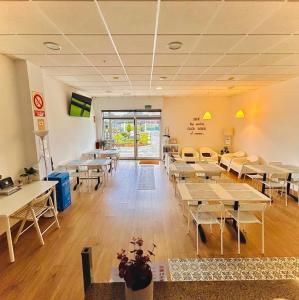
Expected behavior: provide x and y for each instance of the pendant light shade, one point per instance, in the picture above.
(207, 116)
(240, 114)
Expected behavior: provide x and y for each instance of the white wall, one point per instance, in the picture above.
(179, 111)
(271, 124)
(12, 154)
(69, 136)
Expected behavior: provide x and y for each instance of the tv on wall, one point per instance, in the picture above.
(80, 106)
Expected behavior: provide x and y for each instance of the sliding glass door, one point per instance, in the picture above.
(148, 138)
(135, 133)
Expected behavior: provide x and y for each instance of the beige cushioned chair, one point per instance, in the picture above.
(238, 163)
(208, 154)
(228, 157)
(189, 154)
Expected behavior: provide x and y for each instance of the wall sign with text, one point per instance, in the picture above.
(38, 104)
(196, 127)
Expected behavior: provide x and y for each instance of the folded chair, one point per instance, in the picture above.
(32, 213)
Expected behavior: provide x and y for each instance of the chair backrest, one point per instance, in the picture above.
(275, 163)
(210, 207)
(252, 158)
(252, 207)
(239, 154)
(86, 156)
(188, 150)
(43, 199)
(206, 150)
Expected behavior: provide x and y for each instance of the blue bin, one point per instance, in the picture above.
(63, 191)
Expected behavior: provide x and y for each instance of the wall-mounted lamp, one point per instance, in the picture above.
(207, 116)
(240, 114)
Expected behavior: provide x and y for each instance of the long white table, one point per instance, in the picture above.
(267, 169)
(220, 192)
(209, 169)
(103, 153)
(94, 163)
(14, 202)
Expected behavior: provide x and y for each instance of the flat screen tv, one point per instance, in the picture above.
(80, 106)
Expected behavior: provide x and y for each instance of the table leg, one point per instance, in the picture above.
(263, 185)
(55, 199)
(77, 181)
(9, 241)
(202, 234)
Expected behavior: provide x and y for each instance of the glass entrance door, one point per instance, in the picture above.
(122, 132)
(135, 133)
(148, 138)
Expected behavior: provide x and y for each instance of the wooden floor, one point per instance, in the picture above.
(108, 218)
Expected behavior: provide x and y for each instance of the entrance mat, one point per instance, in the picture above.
(146, 178)
(149, 162)
(223, 269)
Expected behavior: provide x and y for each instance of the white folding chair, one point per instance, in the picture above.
(277, 182)
(32, 213)
(207, 214)
(294, 183)
(246, 215)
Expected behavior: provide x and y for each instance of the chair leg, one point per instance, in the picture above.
(37, 228)
(188, 222)
(263, 234)
(221, 237)
(21, 228)
(54, 212)
(238, 238)
(197, 238)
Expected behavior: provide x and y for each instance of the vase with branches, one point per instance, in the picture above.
(136, 271)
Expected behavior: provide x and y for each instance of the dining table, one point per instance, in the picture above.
(103, 153)
(226, 193)
(208, 169)
(266, 170)
(97, 163)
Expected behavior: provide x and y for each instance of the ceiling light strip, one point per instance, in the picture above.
(155, 40)
(69, 41)
(198, 40)
(221, 57)
(241, 40)
(111, 39)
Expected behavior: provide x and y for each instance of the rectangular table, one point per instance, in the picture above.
(14, 202)
(103, 153)
(266, 169)
(221, 192)
(209, 169)
(95, 163)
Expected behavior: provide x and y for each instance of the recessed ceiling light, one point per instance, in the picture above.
(175, 45)
(52, 46)
(163, 77)
(231, 78)
(159, 88)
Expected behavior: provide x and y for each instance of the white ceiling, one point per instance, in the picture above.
(121, 47)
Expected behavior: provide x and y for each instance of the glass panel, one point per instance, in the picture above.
(122, 132)
(148, 138)
(148, 114)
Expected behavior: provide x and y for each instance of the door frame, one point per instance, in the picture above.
(134, 119)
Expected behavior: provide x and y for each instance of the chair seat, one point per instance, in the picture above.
(244, 217)
(255, 176)
(21, 214)
(204, 217)
(274, 184)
